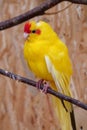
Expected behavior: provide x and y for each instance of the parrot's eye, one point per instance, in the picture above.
(33, 31)
(37, 31)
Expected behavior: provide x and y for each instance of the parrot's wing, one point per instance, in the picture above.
(61, 80)
(62, 84)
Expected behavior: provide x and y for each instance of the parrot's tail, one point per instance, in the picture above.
(73, 119)
(65, 113)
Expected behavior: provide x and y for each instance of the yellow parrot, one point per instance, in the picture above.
(47, 57)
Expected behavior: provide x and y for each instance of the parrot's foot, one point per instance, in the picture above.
(45, 85)
(39, 83)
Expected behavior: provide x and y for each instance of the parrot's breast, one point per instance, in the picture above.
(35, 56)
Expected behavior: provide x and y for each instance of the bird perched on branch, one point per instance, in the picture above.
(47, 57)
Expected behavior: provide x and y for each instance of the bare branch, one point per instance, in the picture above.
(49, 90)
(59, 11)
(39, 10)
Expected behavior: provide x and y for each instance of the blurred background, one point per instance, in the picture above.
(21, 106)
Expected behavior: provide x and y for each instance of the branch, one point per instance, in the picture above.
(39, 10)
(49, 90)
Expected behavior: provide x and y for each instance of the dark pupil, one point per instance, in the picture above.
(33, 31)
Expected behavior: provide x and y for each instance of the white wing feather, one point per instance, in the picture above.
(55, 74)
(61, 80)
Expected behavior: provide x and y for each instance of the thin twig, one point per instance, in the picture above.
(59, 11)
(49, 90)
(39, 10)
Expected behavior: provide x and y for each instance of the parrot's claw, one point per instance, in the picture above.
(45, 85)
(39, 83)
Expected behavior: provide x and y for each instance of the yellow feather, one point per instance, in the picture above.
(47, 57)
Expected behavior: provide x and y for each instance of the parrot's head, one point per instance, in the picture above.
(31, 30)
(35, 31)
